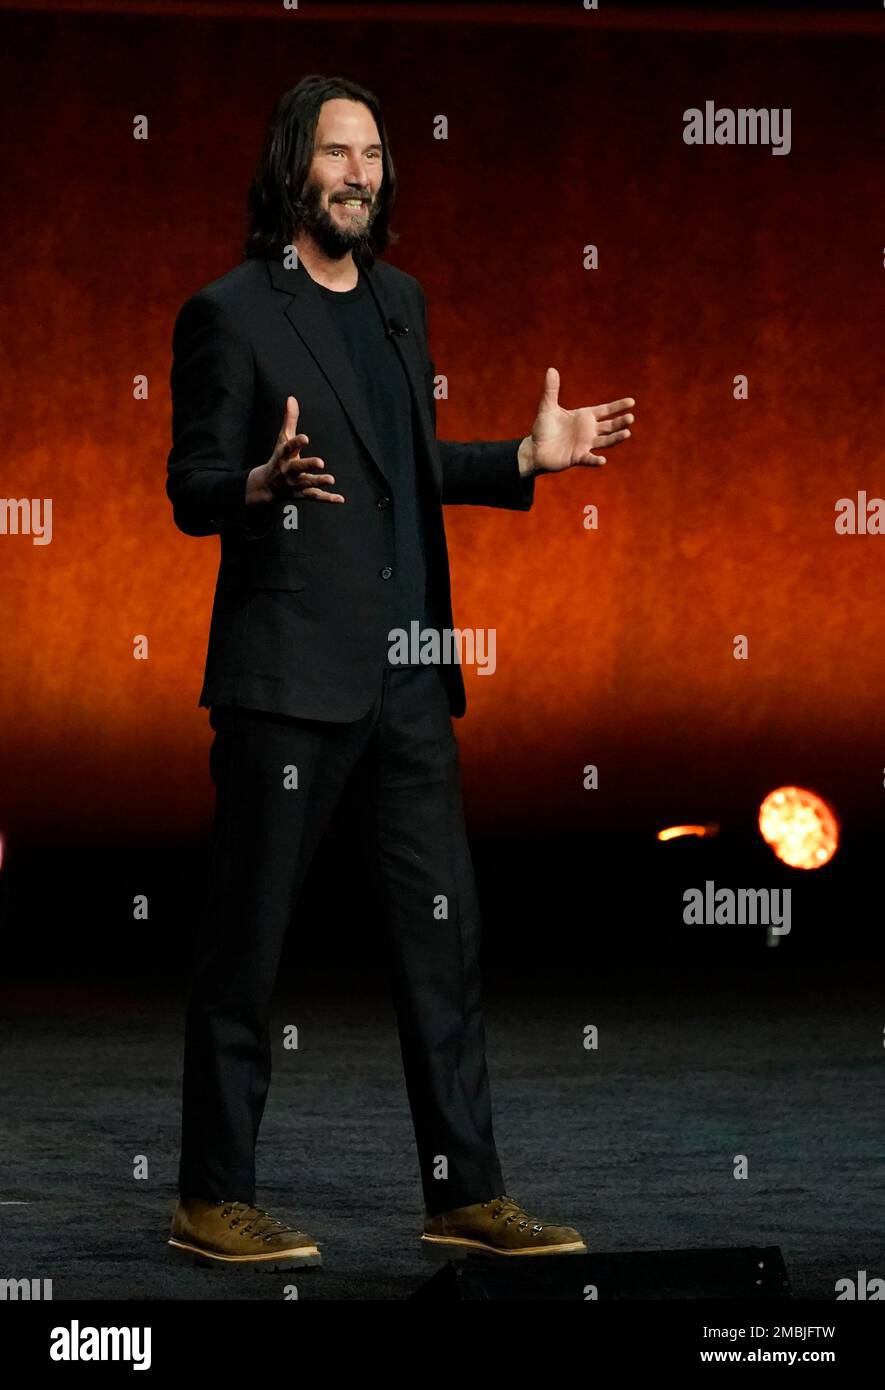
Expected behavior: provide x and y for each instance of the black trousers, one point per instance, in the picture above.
(399, 765)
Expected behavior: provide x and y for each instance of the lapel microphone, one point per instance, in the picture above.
(395, 329)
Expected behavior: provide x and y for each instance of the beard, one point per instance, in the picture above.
(334, 240)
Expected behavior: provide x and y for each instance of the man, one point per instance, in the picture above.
(323, 556)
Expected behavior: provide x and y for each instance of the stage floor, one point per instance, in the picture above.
(633, 1143)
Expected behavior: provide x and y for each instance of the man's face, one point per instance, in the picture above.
(347, 165)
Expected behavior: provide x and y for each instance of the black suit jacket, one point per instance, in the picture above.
(303, 600)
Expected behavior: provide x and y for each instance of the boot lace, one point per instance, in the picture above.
(503, 1203)
(260, 1224)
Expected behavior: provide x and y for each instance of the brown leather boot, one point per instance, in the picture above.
(236, 1233)
(496, 1227)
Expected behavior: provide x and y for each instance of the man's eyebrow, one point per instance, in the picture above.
(343, 145)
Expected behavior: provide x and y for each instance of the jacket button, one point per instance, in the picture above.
(386, 572)
(383, 502)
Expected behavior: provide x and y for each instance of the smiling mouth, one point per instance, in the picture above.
(352, 204)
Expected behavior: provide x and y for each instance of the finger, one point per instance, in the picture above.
(297, 476)
(625, 404)
(304, 465)
(290, 419)
(609, 439)
(318, 496)
(304, 480)
(288, 447)
(550, 393)
(606, 426)
(592, 461)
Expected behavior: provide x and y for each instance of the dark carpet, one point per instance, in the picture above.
(634, 1143)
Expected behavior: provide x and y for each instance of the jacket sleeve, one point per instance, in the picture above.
(212, 384)
(480, 473)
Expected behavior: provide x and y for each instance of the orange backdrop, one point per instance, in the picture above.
(614, 646)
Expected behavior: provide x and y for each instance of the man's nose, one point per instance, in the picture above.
(357, 174)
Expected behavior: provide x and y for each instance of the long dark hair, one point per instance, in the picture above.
(273, 202)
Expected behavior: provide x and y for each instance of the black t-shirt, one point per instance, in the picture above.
(381, 375)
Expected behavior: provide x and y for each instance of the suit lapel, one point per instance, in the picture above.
(308, 315)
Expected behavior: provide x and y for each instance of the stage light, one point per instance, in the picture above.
(701, 832)
(800, 826)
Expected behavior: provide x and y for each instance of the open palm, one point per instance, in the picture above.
(564, 438)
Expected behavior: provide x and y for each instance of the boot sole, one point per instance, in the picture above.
(179, 1252)
(455, 1248)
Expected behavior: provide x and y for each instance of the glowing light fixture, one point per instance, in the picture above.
(800, 826)
(675, 832)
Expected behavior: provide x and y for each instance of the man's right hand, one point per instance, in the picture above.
(286, 474)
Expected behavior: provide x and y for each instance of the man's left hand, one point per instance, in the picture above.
(561, 439)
